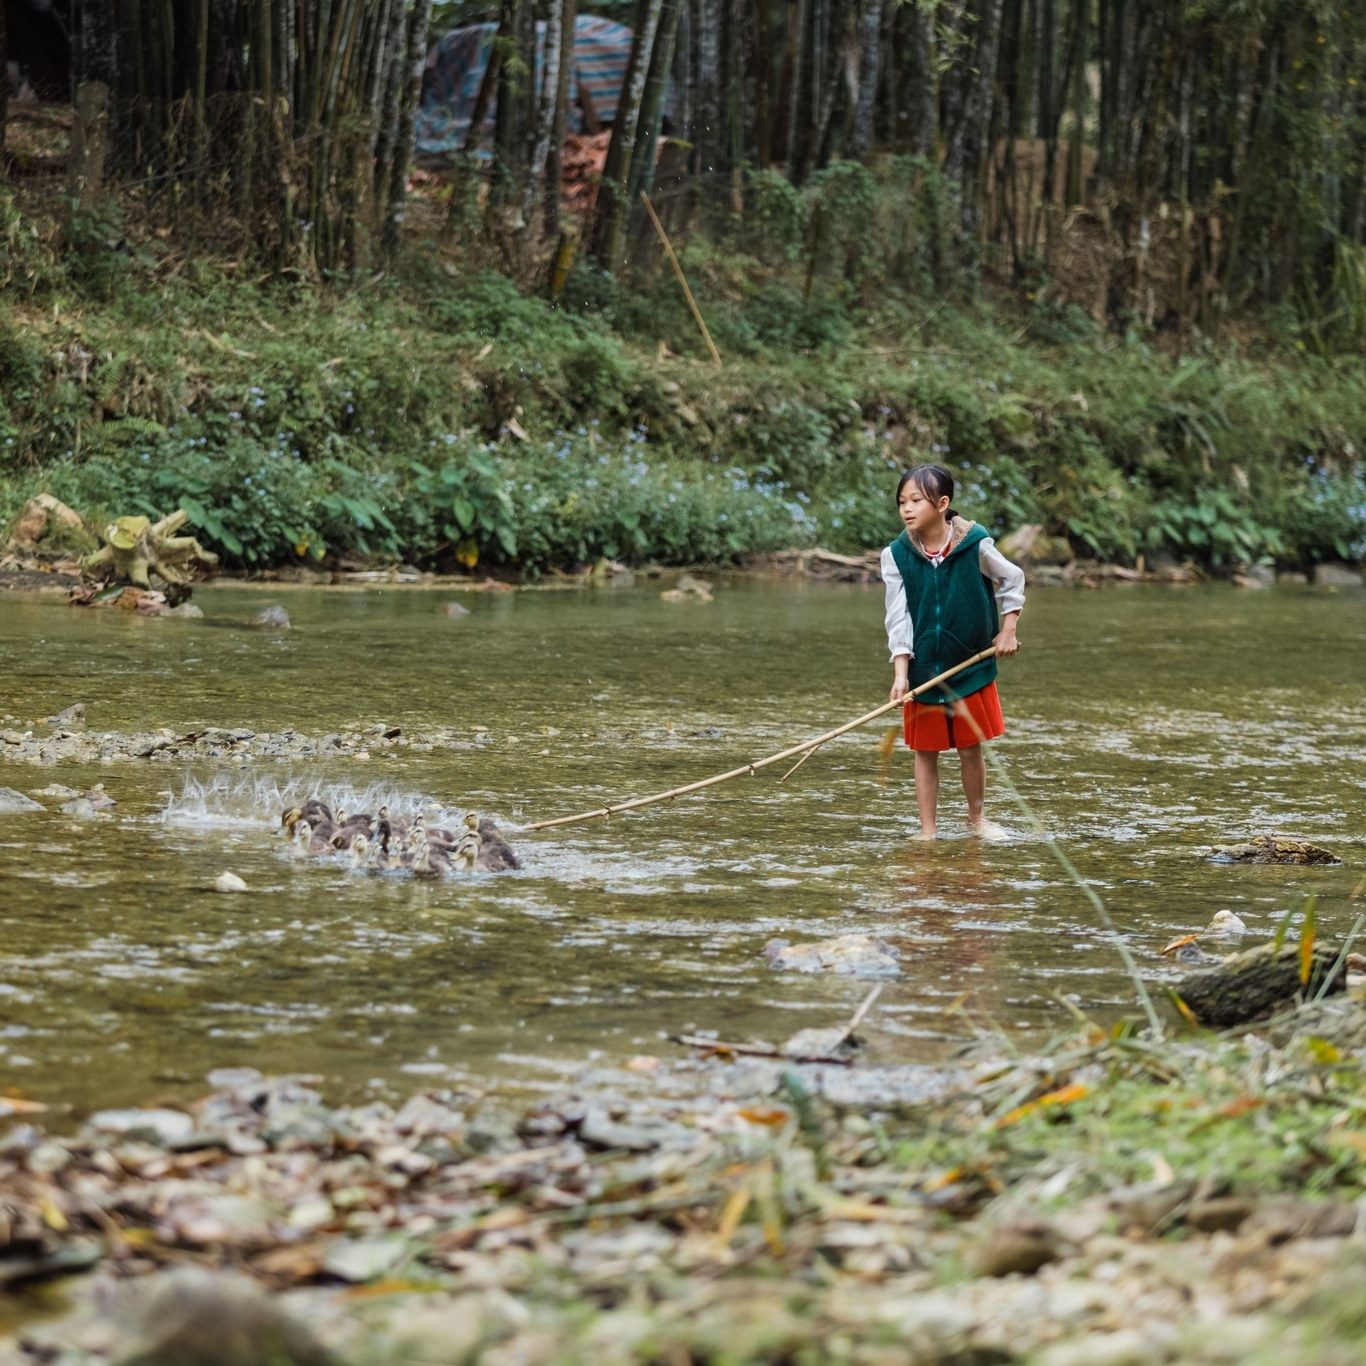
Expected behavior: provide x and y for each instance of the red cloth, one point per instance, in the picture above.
(961, 725)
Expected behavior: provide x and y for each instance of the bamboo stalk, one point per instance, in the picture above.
(746, 770)
(682, 279)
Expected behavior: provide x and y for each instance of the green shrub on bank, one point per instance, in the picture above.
(462, 503)
(304, 422)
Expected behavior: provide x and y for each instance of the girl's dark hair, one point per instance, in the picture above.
(932, 481)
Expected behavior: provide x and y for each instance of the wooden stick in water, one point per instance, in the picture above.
(746, 770)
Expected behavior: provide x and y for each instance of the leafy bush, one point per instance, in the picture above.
(774, 221)
(784, 322)
(575, 505)
(1211, 527)
(460, 510)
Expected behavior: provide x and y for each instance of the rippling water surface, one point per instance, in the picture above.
(1144, 723)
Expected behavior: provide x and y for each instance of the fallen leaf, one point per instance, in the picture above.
(1241, 1106)
(770, 1116)
(1064, 1095)
(950, 1177)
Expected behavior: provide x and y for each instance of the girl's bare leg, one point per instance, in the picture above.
(974, 782)
(927, 791)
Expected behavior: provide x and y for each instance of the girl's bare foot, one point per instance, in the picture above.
(928, 834)
(988, 830)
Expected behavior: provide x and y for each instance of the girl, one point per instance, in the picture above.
(946, 581)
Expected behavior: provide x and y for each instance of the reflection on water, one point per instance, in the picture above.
(1143, 724)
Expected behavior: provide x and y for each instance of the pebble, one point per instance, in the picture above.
(229, 882)
(274, 618)
(167, 1127)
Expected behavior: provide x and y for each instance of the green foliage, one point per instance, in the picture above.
(27, 262)
(782, 322)
(1055, 322)
(1212, 527)
(302, 423)
(458, 511)
(787, 439)
(95, 251)
(842, 198)
(774, 222)
(576, 506)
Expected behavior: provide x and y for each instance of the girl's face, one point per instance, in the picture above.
(920, 512)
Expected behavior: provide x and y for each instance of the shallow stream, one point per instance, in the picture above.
(1144, 723)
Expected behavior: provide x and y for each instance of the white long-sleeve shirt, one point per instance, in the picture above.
(1008, 580)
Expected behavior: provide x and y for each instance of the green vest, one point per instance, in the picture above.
(953, 615)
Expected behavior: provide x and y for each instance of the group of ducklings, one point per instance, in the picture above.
(381, 843)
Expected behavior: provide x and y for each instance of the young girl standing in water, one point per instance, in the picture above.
(946, 583)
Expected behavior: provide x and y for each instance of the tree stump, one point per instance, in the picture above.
(135, 548)
(1252, 985)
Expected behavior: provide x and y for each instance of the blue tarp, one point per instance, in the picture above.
(456, 66)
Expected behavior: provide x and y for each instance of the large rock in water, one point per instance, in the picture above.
(1250, 986)
(851, 955)
(1272, 849)
(12, 802)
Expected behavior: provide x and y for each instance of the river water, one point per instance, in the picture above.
(1144, 724)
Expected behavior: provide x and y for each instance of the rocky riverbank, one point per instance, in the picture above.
(61, 743)
(1111, 1199)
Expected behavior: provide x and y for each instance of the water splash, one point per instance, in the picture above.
(241, 799)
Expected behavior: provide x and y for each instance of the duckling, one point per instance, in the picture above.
(346, 833)
(429, 860)
(466, 855)
(360, 853)
(307, 843)
(440, 835)
(301, 833)
(380, 861)
(315, 809)
(289, 818)
(495, 853)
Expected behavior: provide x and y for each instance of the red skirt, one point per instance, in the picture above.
(954, 725)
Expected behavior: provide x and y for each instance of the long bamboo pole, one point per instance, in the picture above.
(746, 770)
